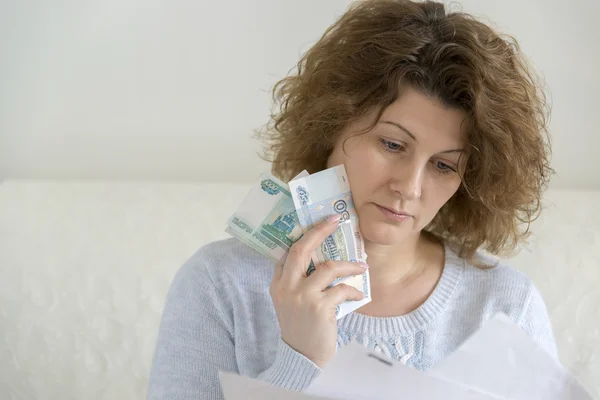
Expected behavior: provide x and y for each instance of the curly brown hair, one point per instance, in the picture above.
(360, 65)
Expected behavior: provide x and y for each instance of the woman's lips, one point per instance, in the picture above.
(392, 215)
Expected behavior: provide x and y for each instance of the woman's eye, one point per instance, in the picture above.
(391, 146)
(443, 167)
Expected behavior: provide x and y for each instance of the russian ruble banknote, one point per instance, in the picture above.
(318, 196)
(266, 220)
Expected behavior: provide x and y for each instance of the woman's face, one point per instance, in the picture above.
(403, 170)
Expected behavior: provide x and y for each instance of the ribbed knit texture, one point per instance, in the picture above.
(219, 317)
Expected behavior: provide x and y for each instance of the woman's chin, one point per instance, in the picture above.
(382, 234)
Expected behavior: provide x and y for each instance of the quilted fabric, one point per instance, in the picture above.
(85, 268)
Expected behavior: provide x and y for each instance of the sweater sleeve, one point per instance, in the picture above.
(195, 340)
(536, 322)
(291, 370)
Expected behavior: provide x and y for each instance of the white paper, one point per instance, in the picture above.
(503, 360)
(358, 373)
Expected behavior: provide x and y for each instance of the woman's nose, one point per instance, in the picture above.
(408, 181)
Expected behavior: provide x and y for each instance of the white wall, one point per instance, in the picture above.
(150, 89)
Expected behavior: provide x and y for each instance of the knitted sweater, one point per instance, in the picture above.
(219, 316)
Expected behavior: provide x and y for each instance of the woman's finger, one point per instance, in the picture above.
(329, 271)
(277, 272)
(299, 256)
(340, 293)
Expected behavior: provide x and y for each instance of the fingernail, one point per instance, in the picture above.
(334, 218)
(364, 265)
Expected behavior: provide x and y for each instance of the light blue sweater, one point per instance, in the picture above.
(219, 316)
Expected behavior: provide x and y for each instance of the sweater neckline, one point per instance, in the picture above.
(417, 319)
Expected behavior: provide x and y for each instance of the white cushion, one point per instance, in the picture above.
(85, 268)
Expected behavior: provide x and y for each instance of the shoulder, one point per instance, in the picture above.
(514, 294)
(497, 275)
(490, 286)
(225, 262)
(498, 286)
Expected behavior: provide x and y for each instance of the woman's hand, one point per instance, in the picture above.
(304, 306)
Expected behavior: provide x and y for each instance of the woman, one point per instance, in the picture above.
(441, 129)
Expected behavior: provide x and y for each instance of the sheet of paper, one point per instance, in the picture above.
(358, 373)
(500, 358)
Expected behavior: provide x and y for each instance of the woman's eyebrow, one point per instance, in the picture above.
(409, 133)
(397, 125)
(454, 151)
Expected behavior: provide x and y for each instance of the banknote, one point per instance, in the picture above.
(266, 220)
(319, 196)
(263, 250)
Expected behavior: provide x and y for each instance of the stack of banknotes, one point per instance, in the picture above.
(274, 215)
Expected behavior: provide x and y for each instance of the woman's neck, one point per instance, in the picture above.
(395, 264)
